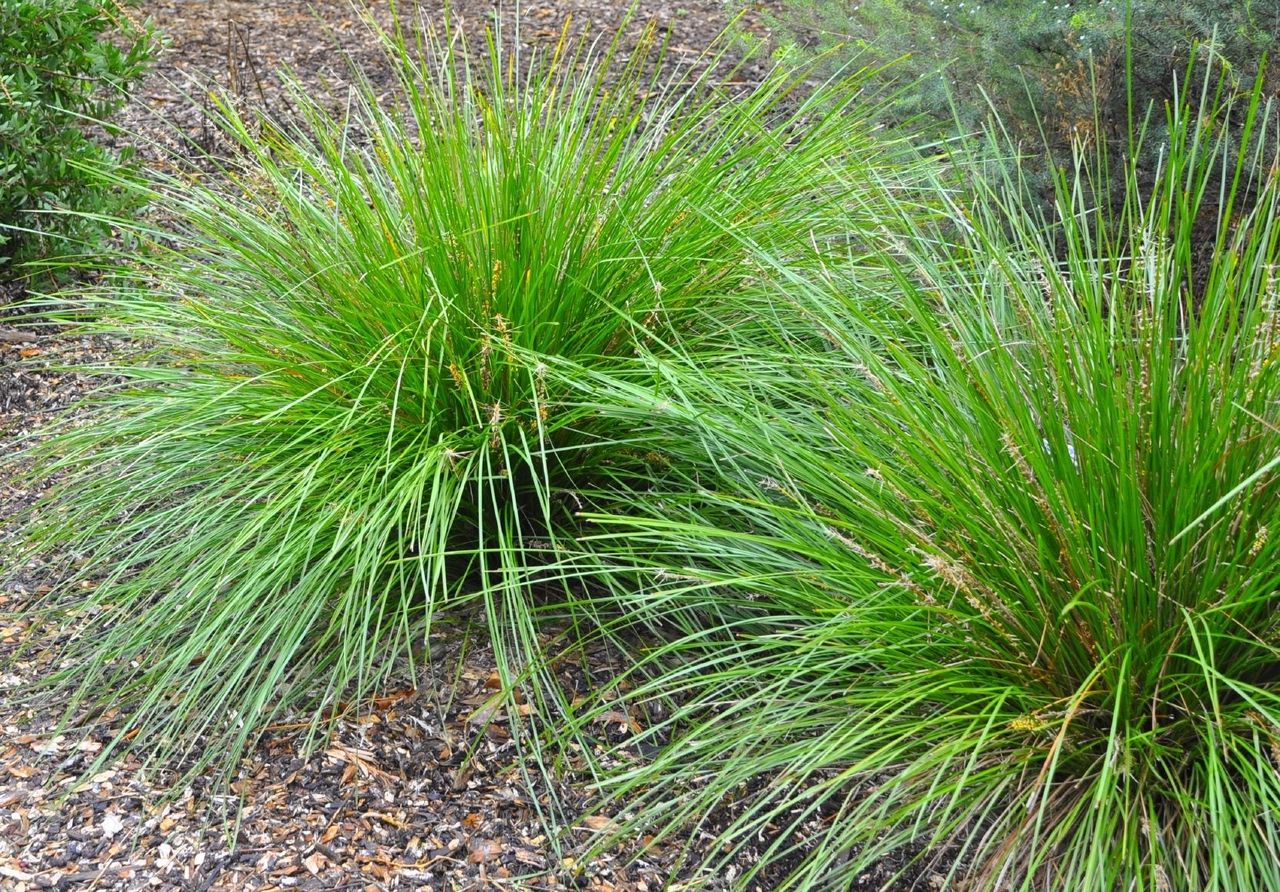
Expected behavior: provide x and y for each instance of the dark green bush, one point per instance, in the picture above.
(66, 67)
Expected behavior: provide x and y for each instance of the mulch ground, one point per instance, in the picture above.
(428, 789)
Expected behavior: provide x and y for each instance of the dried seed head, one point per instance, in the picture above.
(1028, 724)
(1019, 459)
(870, 377)
(1259, 542)
(953, 574)
(873, 560)
(456, 374)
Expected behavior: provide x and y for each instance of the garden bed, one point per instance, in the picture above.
(532, 472)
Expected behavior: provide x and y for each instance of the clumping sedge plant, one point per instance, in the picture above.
(340, 421)
(976, 574)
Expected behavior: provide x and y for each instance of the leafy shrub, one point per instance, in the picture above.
(343, 422)
(988, 583)
(66, 66)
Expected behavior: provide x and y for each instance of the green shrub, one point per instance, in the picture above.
(1050, 70)
(987, 585)
(342, 423)
(66, 67)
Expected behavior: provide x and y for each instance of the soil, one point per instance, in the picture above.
(417, 793)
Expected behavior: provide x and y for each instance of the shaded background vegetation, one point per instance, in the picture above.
(1053, 72)
(66, 66)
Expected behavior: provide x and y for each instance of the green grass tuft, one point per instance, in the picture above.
(987, 581)
(340, 422)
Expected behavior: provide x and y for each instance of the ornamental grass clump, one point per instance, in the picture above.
(984, 586)
(339, 422)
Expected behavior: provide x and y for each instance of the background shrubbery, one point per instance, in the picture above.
(1050, 70)
(66, 67)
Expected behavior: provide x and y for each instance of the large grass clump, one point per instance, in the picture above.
(340, 421)
(971, 569)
